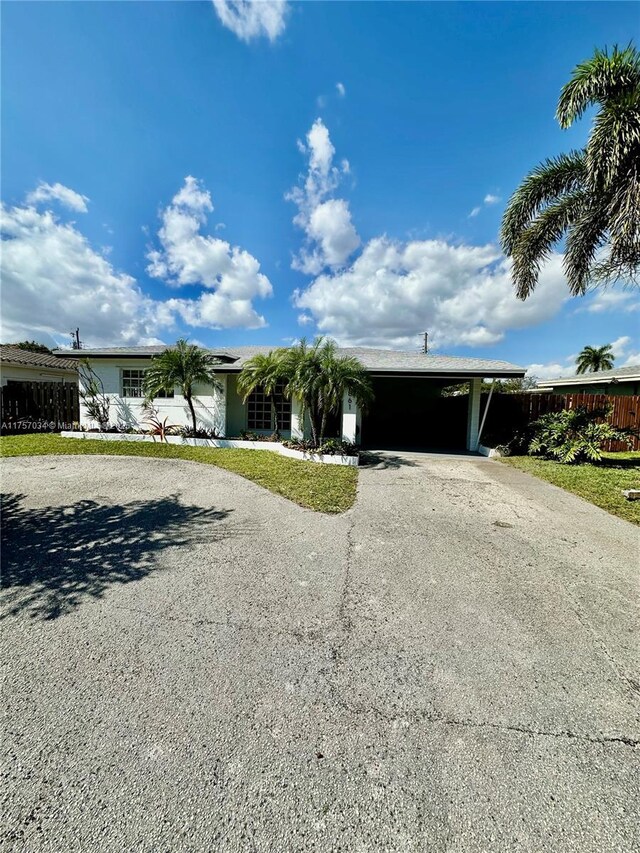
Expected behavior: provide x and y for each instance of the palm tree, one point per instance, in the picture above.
(594, 359)
(183, 366)
(591, 197)
(263, 372)
(318, 378)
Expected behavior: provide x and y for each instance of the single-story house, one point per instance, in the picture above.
(407, 387)
(617, 382)
(20, 365)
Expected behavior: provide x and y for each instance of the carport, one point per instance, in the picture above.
(409, 410)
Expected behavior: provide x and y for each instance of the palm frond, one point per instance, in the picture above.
(600, 79)
(536, 241)
(547, 183)
(614, 142)
(585, 238)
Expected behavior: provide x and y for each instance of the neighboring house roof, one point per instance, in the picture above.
(377, 361)
(600, 377)
(25, 358)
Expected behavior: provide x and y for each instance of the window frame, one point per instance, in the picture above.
(259, 410)
(124, 382)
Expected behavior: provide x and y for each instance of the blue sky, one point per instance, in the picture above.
(253, 175)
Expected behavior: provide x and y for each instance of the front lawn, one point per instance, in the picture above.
(324, 488)
(600, 483)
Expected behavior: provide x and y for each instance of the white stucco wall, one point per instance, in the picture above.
(21, 373)
(209, 403)
(351, 420)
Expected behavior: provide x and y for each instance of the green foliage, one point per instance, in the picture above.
(329, 447)
(265, 373)
(32, 346)
(157, 427)
(96, 402)
(573, 435)
(324, 488)
(601, 484)
(501, 386)
(183, 366)
(594, 359)
(314, 375)
(318, 378)
(591, 197)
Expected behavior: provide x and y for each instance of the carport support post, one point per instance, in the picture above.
(351, 418)
(473, 413)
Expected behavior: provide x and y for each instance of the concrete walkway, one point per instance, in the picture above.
(192, 663)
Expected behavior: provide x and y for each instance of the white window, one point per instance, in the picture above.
(133, 384)
(132, 381)
(260, 410)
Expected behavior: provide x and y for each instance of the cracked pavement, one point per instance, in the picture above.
(191, 663)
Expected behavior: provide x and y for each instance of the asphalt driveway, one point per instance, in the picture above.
(191, 663)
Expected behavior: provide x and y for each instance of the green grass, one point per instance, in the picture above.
(324, 488)
(601, 483)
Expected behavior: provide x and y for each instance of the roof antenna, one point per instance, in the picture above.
(426, 343)
(76, 343)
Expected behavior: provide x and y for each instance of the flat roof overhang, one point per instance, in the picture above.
(581, 380)
(134, 356)
(462, 375)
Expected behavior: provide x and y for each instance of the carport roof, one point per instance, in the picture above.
(380, 362)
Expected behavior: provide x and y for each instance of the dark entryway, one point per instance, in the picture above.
(410, 412)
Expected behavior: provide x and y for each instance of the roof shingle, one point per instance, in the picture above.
(374, 360)
(15, 355)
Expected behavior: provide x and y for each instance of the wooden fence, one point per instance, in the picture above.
(39, 406)
(509, 413)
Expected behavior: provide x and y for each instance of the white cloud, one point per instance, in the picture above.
(58, 192)
(551, 370)
(487, 201)
(320, 148)
(341, 89)
(331, 237)
(217, 311)
(615, 298)
(631, 360)
(252, 19)
(620, 349)
(556, 370)
(53, 281)
(462, 294)
(186, 257)
(331, 227)
(619, 346)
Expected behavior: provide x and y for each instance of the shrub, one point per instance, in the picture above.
(331, 447)
(200, 432)
(574, 435)
(93, 396)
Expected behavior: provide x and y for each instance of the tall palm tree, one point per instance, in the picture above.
(302, 374)
(594, 359)
(341, 374)
(591, 196)
(263, 372)
(319, 378)
(183, 366)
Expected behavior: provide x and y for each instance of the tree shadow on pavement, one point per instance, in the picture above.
(384, 459)
(55, 557)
